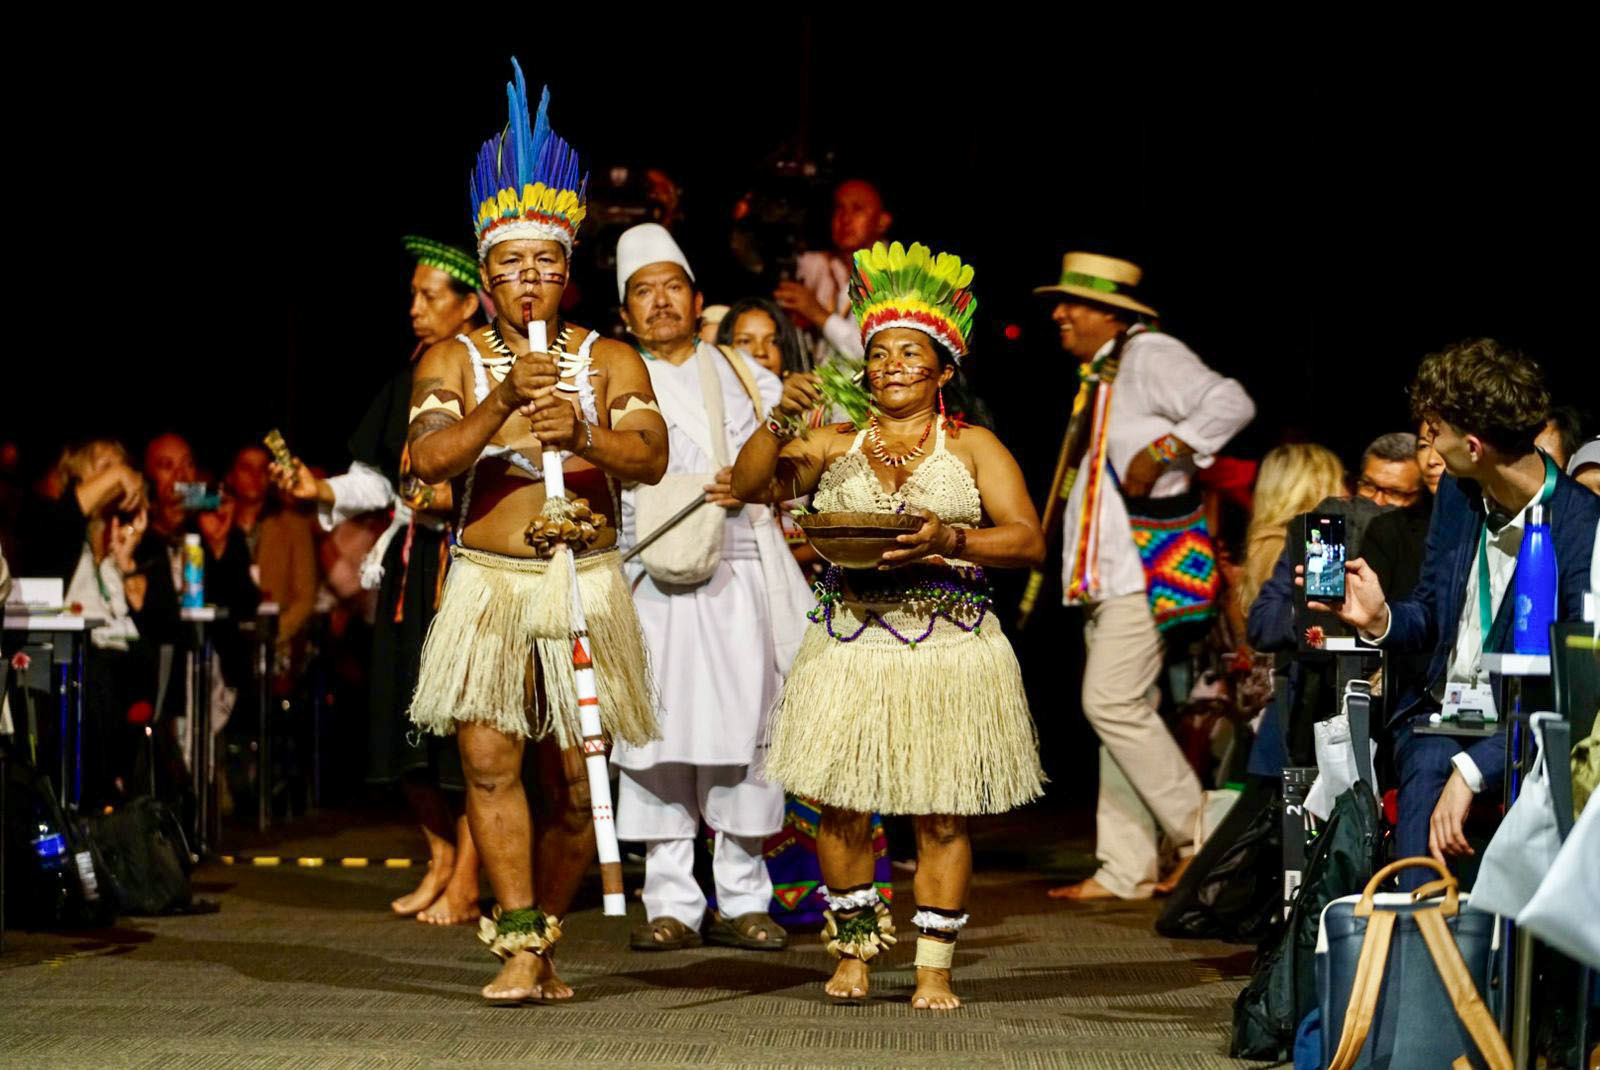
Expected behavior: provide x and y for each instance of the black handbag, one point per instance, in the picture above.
(146, 858)
(1401, 976)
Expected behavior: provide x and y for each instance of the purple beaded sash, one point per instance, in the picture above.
(955, 593)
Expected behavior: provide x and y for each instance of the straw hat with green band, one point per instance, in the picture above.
(1104, 280)
(457, 263)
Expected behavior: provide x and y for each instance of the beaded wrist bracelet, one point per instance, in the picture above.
(960, 547)
(779, 431)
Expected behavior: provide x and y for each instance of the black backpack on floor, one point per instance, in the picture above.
(53, 876)
(146, 858)
(1283, 986)
(1233, 890)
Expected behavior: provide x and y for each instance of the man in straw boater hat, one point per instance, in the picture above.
(1135, 554)
(407, 567)
(500, 666)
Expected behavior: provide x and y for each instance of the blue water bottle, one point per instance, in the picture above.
(1535, 587)
(194, 573)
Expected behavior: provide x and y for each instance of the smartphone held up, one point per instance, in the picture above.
(1324, 558)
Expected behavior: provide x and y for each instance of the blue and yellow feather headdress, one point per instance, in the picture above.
(527, 183)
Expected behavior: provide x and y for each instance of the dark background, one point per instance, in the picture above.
(216, 225)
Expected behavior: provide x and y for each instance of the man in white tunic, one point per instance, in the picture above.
(1158, 414)
(719, 645)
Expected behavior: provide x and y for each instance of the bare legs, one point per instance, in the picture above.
(844, 852)
(432, 810)
(944, 869)
(458, 903)
(502, 827)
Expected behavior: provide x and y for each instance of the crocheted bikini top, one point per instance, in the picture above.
(941, 483)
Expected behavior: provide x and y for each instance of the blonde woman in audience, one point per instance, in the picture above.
(1292, 480)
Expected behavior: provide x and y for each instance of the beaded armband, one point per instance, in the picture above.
(781, 431)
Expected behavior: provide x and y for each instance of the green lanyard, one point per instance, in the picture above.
(1485, 597)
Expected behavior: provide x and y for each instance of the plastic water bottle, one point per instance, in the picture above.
(1535, 587)
(194, 573)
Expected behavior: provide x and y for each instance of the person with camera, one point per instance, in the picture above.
(819, 295)
(1482, 405)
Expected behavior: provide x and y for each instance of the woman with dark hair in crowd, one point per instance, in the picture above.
(758, 326)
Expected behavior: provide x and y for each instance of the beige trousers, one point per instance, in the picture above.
(1147, 789)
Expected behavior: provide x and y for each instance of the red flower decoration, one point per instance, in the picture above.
(1316, 638)
(20, 661)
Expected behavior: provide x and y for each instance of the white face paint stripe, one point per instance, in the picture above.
(434, 402)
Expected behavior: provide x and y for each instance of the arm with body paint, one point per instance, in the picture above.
(444, 442)
(634, 447)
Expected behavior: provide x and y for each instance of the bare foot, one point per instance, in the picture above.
(448, 910)
(849, 980)
(517, 980)
(1169, 883)
(933, 991)
(550, 985)
(458, 903)
(1088, 888)
(433, 884)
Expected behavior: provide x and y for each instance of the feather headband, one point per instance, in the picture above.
(893, 287)
(527, 183)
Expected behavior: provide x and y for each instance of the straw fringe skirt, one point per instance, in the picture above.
(496, 611)
(875, 725)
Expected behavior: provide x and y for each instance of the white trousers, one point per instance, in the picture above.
(663, 807)
(1147, 788)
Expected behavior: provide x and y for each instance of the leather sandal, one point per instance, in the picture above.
(663, 934)
(744, 932)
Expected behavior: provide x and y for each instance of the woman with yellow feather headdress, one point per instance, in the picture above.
(905, 697)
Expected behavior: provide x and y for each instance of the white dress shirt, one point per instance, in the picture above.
(1161, 388)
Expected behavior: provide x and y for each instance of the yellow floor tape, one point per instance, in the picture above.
(313, 863)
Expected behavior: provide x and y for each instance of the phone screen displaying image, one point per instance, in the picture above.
(1324, 557)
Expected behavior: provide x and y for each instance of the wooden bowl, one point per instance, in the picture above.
(856, 540)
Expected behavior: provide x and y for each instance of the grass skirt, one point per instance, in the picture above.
(876, 724)
(495, 612)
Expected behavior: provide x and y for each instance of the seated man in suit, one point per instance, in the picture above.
(1483, 405)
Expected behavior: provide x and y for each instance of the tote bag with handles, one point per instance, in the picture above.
(1400, 978)
(689, 552)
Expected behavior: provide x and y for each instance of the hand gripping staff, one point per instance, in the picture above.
(594, 743)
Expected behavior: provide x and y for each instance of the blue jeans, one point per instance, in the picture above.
(1423, 765)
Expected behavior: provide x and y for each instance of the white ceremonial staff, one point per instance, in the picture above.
(594, 741)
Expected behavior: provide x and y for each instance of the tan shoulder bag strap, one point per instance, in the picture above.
(747, 378)
(1463, 993)
(1364, 993)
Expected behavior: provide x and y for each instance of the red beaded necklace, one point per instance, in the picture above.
(874, 432)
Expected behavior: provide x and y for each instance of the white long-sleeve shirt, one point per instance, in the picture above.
(1162, 388)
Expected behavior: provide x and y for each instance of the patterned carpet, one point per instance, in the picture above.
(307, 968)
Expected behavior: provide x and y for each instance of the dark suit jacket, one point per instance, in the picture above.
(1429, 618)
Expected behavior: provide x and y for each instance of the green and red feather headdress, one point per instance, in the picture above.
(893, 287)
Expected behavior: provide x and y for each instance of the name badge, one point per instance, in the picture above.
(1468, 705)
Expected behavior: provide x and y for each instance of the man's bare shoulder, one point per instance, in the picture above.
(441, 358)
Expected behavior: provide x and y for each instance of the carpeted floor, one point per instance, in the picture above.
(307, 968)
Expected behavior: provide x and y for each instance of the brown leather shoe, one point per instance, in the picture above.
(663, 934)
